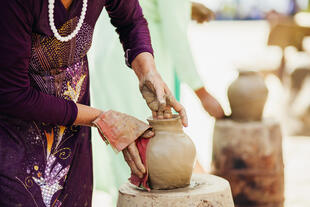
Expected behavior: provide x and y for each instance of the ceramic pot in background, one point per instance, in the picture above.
(247, 96)
(170, 155)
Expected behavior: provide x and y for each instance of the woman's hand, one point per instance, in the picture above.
(155, 92)
(132, 156)
(210, 104)
(121, 131)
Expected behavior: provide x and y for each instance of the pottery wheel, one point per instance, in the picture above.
(204, 191)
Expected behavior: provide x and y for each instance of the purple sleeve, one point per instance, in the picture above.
(127, 17)
(17, 98)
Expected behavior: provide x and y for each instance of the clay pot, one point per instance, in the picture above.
(170, 155)
(247, 96)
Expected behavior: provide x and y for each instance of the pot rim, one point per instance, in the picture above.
(174, 118)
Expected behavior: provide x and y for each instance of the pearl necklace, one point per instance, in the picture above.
(52, 24)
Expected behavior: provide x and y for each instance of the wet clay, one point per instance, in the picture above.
(170, 155)
(149, 96)
(247, 96)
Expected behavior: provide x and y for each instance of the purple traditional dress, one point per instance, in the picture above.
(44, 160)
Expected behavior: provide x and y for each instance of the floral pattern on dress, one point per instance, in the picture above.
(50, 181)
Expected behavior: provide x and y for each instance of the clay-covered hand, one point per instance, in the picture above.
(201, 13)
(158, 96)
(119, 129)
(132, 156)
(154, 90)
(210, 104)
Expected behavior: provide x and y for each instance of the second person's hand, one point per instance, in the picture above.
(210, 104)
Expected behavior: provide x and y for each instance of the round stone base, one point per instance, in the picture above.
(204, 191)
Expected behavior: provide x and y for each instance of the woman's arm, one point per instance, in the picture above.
(127, 17)
(17, 97)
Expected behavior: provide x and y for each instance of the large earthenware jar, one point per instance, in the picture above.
(247, 96)
(170, 155)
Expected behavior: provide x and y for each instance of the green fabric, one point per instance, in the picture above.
(177, 86)
(171, 19)
(114, 86)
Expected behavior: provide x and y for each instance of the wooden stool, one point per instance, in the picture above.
(249, 156)
(204, 191)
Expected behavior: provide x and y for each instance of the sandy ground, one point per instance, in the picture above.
(219, 49)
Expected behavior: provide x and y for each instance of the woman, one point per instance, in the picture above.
(45, 146)
(168, 23)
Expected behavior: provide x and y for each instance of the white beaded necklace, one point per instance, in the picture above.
(52, 24)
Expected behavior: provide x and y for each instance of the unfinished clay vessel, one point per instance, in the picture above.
(170, 155)
(247, 96)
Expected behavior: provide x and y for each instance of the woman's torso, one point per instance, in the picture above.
(48, 155)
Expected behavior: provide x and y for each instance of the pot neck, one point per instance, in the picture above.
(173, 124)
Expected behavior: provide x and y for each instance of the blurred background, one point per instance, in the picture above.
(269, 36)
